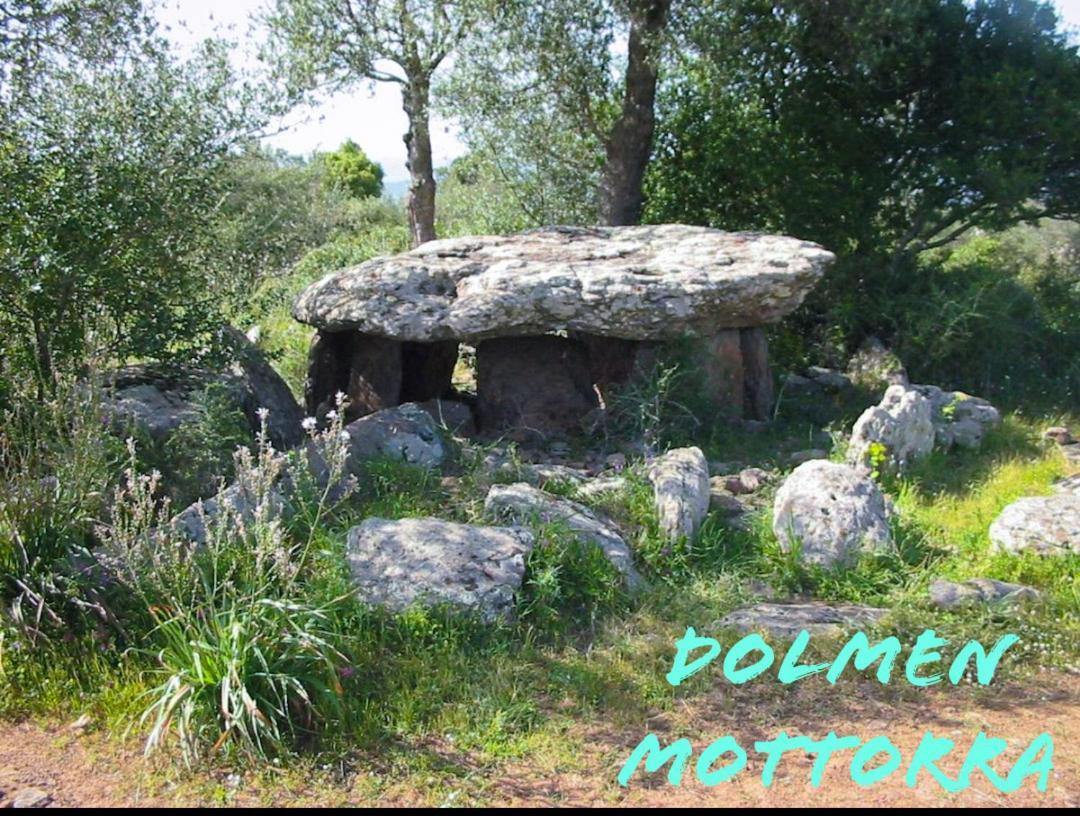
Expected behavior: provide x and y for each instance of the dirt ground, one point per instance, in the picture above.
(85, 768)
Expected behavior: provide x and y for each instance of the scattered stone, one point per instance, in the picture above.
(829, 379)
(616, 461)
(799, 457)
(786, 620)
(722, 502)
(900, 430)
(522, 503)
(1071, 452)
(959, 419)
(723, 468)
(237, 500)
(746, 481)
(949, 595)
(831, 512)
(875, 368)
(81, 724)
(396, 564)
(681, 488)
(1047, 525)
(1069, 485)
(1058, 435)
(31, 798)
(598, 488)
(405, 433)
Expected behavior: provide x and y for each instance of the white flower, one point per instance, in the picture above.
(331, 416)
(308, 424)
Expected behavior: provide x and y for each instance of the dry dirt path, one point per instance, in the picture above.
(86, 769)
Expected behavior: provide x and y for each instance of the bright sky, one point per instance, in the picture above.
(371, 118)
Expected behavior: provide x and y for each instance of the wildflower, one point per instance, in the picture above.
(309, 424)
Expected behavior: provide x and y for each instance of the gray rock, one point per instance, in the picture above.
(405, 433)
(680, 480)
(158, 400)
(31, 798)
(1047, 525)
(722, 502)
(832, 512)
(875, 368)
(601, 487)
(786, 620)
(799, 457)
(635, 283)
(829, 379)
(237, 500)
(522, 503)
(1070, 485)
(746, 481)
(949, 595)
(1071, 452)
(396, 564)
(456, 417)
(1059, 435)
(902, 423)
(960, 420)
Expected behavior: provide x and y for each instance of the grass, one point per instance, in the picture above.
(434, 700)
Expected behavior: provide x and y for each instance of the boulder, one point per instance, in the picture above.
(522, 503)
(452, 415)
(635, 283)
(748, 480)
(1059, 435)
(1047, 525)
(395, 564)
(681, 488)
(406, 433)
(787, 620)
(960, 420)
(158, 399)
(949, 595)
(1070, 484)
(900, 429)
(832, 512)
(601, 487)
(799, 457)
(239, 501)
(829, 379)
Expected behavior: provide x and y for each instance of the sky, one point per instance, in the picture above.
(372, 117)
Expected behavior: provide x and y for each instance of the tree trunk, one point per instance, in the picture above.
(630, 141)
(421, 199)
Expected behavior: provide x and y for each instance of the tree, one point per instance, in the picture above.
(877, 127)
(544, 96)
(327, 45)
(348, 168)
(109, 174)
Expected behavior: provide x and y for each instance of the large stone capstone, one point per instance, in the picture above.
(636, 283)
(559, 316)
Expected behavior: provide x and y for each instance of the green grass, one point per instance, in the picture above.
(431, 683)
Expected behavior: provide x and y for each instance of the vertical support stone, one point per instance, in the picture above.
(427, 370)
(366, 368)
(721, 361)
(374, 374)
(611, 361)
(533, 384)
(758, 383)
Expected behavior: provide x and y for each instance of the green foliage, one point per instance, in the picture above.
(349, 169)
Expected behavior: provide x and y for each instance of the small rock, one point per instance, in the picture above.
(597, 488)
(786, 620)
(522, 503)
(746, 481)
(680, 481)
(1058, 435)
(831, 512)
(31, 798)
(81, 724)
(405, 433)
(829, 379)
(799, 457)
(1071, 452)
(616, 461)
(875, 368)
(1047, 525)
(1070, 485)
(722, 502)
(960, 420)
(949, 595)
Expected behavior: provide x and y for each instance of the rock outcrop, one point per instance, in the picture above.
(1047, 525)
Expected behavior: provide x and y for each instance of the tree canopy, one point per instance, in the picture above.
(349, 169)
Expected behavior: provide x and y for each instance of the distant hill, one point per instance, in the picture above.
(396, 189)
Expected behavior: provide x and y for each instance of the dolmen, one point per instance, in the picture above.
(558, 316)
